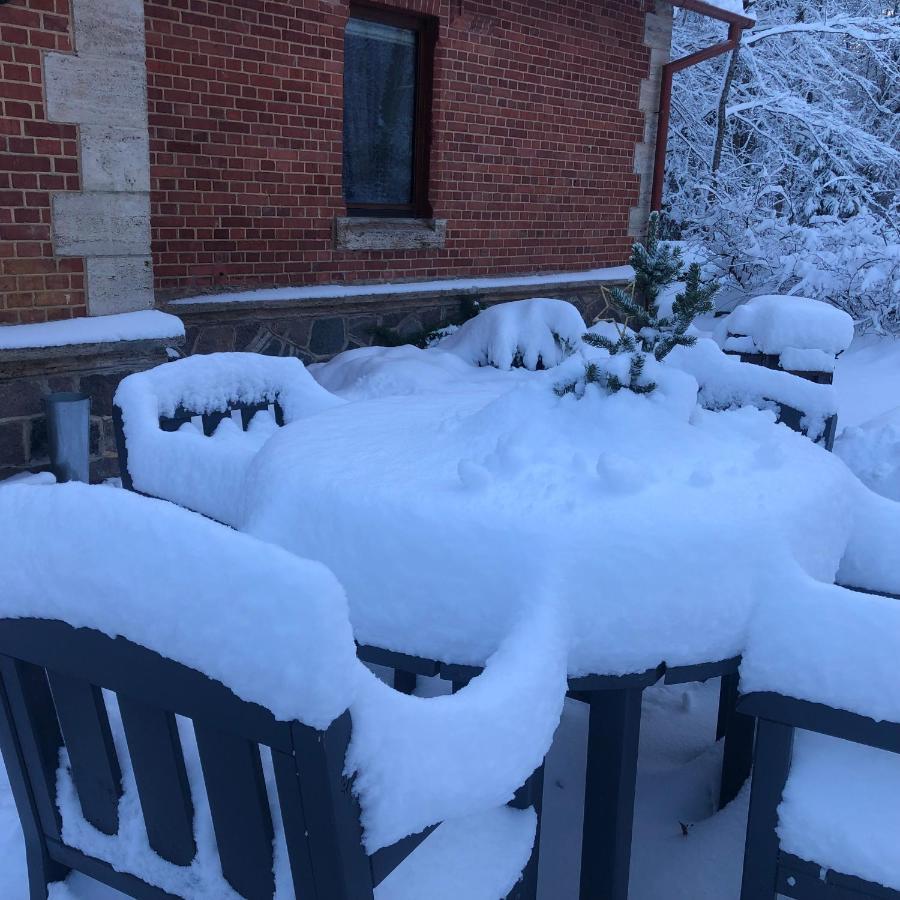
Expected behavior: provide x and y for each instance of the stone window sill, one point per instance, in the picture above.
(357, 233)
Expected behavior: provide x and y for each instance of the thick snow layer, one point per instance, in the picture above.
(727, 382)
(190, 589)
(872, 451)
(444, 514)
(867, 379)
(872, 558)
(536, 333)
(828, 645)
(841, 808)
(461, 752)
(331, 291)
(794, 360)
(274, 629)
(368, 373)
(187, 468)
(134, 326)
(776, 322)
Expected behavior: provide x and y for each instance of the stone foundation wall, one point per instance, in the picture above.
(316, 330)
(312, 330)
(27, 376)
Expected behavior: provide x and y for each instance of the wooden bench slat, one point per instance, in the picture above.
(232, 771)
(34, 716)
(162, 782)
(92, 754)
(341, 866)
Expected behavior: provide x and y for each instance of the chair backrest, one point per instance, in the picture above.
(202, 475)
(209, 421)
(52, 683)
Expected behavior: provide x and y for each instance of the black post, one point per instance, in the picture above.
(772, 762)
(738, 730)
(613, 734)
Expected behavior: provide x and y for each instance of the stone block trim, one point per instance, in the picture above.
(358, 233)
(37, 157)
(95, 224)
(104, 90)
(658, 37)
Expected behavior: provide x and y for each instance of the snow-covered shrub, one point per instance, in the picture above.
(853, 264)
(644, 331)
(535, 334)
(784, 161)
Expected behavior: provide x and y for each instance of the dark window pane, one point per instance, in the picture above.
(379, 110)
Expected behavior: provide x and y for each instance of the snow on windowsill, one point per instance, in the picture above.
(144, 325)
(459, 285)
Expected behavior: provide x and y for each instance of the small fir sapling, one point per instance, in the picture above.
(643, 330)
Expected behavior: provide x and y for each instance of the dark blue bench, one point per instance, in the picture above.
(51, 681)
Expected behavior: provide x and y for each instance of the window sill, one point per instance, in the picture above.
(355, 233)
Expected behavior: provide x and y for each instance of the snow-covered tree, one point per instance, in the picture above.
(784, 156)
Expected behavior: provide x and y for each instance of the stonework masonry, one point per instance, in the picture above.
(27, 376)
(103, 89)
(658, 37)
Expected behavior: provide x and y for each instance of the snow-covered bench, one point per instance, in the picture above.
(821, 678)
(176, 730)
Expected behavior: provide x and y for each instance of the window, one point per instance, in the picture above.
(387, 112)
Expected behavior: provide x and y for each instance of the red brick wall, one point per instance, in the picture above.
(36, 157)
(535, 123)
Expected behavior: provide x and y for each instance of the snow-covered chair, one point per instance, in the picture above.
(180, 730)
(187, 430)
(795, 334)
(821, 679)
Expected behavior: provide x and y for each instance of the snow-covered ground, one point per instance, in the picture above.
(679, 763)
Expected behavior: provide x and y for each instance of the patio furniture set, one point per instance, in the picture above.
(294, 451)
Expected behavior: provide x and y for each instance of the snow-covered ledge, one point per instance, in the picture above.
(412, 290)
(90, 336)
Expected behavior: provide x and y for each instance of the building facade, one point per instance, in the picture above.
(170, 153)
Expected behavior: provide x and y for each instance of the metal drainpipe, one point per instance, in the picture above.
(735, 30)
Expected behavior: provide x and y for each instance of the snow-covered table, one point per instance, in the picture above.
(649, 526)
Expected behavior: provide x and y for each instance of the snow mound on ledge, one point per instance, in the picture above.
(872, 451)
(777, 322)
(536, 333)
(190, 589)
(147, 324)
(185, 466)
